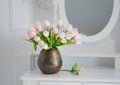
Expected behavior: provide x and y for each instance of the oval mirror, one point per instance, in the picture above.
(94, 18)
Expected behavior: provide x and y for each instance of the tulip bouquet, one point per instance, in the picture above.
(50, 36)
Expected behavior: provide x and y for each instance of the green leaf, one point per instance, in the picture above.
(44, 39)
(77, 73)
(69, 42)
(75, 69)
(35, 46)
(58, 42)
(49, 41)
(29, 40)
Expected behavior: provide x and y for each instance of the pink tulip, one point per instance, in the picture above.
(82, 70)
(38, 27)
(77, 36)
(63, 40)
(33, 29)
(41, 43)
(77, 39)
(54, 29)
(47, 24)
(59, 23)
(62, 35)
(37, 38)
(72, 34)
(68, 36)
(31, 33)
(45, 46)
(69, 28)
(46, 33)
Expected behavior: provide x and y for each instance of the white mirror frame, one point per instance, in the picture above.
(108, 28)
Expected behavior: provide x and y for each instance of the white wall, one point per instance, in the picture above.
(14, 54)
(5, 59)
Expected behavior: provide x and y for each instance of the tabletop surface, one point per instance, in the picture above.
(100, 74)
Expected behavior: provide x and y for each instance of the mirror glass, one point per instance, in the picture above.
(89, 16)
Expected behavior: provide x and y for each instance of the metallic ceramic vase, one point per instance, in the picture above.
(49, 61)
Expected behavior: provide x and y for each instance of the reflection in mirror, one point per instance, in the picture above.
(89, 16)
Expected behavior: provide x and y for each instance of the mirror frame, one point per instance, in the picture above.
(107, 29)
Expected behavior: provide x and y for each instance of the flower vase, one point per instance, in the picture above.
(49, 61)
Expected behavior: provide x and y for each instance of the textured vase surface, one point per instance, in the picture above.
(49, 61)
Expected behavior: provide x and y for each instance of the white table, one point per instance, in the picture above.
(93, 76)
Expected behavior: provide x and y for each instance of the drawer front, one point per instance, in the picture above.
(101, 83)
(60, 83)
